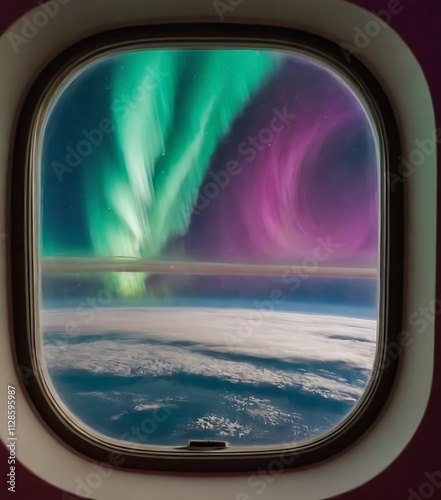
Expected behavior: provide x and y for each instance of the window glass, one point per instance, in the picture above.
(208, 246)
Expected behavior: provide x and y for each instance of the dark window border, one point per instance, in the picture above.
(24, 262)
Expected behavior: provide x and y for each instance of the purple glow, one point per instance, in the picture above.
(315, 179)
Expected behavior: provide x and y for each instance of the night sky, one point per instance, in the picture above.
(209, 155)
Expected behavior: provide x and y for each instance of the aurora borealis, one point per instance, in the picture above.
(315, 179)
(209, 247)
(213, 155)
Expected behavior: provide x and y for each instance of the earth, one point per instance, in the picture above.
(164, 376)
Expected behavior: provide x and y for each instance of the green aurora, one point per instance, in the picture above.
(164, 140)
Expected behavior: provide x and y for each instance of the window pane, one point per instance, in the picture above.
(209, 235)
(216, 355)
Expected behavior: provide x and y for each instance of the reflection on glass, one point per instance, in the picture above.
(209, 247)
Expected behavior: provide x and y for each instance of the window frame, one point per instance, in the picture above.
(24, 237)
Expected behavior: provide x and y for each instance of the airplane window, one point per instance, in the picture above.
(209, 234)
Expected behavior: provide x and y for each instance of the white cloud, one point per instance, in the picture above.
(148, 344)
